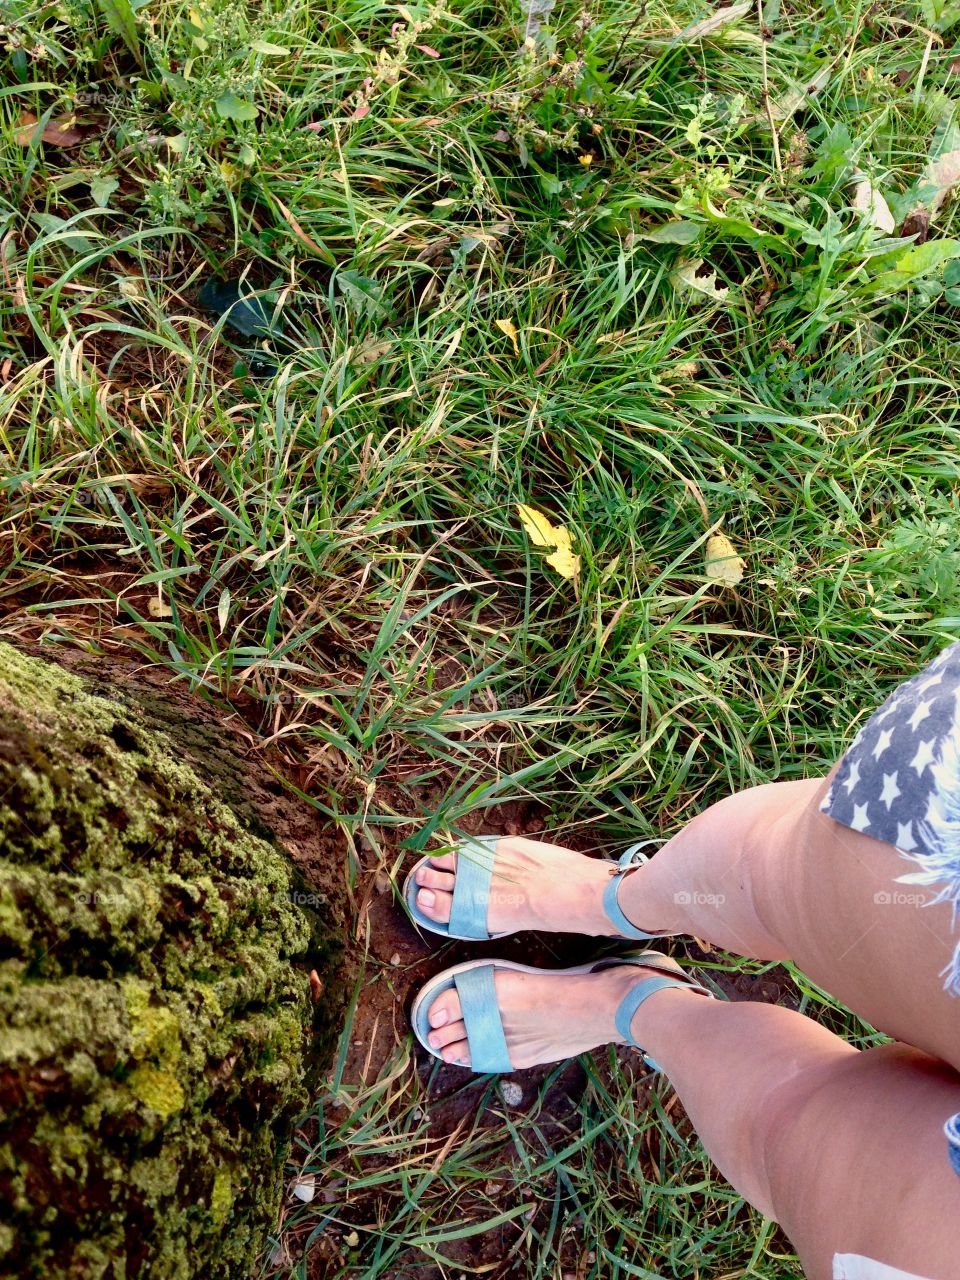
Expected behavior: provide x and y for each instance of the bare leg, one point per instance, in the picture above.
(845, 1149)
(765, 874)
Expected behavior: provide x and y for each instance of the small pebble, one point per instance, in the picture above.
(512, 1093)
(395, 958)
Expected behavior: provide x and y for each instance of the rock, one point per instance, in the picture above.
(512, 1093)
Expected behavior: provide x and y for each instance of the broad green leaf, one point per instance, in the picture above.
(233, 108)
(102, 188)
(940, 14)
(916, 263)
(271, 50)
(677, 232)
(121, 18)
(923, 258)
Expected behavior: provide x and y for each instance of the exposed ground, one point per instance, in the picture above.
(658, 271)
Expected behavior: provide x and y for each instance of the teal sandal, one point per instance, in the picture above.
(474, 981)
(471, 892)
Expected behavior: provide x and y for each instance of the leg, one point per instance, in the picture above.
(845, 1149)
(765, 874)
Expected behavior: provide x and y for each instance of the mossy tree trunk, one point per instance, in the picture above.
(158, 1038)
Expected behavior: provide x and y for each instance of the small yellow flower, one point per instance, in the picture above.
(587, 159)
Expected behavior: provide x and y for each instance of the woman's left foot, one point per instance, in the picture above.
(546, 1017)
(534, 886)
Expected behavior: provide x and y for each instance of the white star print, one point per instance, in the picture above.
(923, 757)
(919, 715)
(890, 789)
(853, 777)
(890, 708)
(859, 821)
(883, 741)
(905, 838)
(930, 681)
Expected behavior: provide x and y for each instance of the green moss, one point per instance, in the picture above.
(160, 1090)
(221, 1198)
(156, 1028)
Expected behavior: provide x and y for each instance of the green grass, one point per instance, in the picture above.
(334, 548)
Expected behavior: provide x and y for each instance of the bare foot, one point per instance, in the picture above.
(534, 886)
(547, 1017)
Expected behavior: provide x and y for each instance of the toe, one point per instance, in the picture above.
(444, 861)
(457, 1054)
(427, 878)
(445, 1009)
(435, 904)
(448, 1034)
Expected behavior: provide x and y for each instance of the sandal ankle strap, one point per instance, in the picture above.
(633, 857)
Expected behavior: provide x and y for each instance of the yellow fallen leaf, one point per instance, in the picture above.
(544, 534)
(510, 329)
(723, 564)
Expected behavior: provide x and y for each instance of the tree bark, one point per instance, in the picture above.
(158, 1038)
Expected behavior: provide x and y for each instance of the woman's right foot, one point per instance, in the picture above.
(534, 886)
(548, 1017)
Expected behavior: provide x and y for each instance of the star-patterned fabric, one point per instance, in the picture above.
(900, 782)
(889, 782)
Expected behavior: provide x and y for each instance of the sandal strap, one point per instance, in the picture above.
(481, 1015)
(611, 905)
(471, 888)
(645, 988)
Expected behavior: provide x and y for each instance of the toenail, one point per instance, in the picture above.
(439, 1017)
(426, 898)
